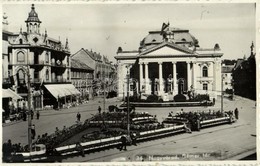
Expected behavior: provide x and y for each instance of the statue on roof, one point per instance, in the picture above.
(164, 32)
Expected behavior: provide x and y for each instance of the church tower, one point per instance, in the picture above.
(33, 22)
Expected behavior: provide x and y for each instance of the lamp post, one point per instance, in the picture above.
(128, 109)
(29, 106)
(221, 92)
(104, 98)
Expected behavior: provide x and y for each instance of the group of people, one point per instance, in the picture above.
(204, 115)
(128, 140)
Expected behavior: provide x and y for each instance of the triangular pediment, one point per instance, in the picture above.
(167, 49)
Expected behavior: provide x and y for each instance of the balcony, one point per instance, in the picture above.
(36, 80)
(205, 78)
(55, 64)
(56, 80)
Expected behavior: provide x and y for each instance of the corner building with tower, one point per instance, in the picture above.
(45, 60)
(170, 62)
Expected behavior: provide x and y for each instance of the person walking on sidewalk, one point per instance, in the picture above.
(38, 114)
(236, 113)
(78, 117)
(99, 109)
(123, 140)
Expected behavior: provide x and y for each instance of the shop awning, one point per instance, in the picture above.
(8, 93)
(62, 90)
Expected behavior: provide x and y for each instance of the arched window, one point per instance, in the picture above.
(20, 41)
(21, 76)
(47, 57)
(20, 56)
(205, 71)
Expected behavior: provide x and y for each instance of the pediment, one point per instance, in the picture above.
(168, 50)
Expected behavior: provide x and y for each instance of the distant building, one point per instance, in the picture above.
(104, 70)
(82, 77)
(5, 44)
(45, 59)
(227, 77)
(169, 62)
(244, 76)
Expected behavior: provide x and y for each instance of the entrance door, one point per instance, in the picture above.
(181, 83)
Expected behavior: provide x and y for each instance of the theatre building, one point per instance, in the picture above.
(170, 61)
(45, 60)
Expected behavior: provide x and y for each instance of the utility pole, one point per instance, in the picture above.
(221, 92)
(104, 98)
(128, 110)
(29, 110)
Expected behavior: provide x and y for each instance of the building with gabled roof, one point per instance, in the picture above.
(244, 76)
(81, 78)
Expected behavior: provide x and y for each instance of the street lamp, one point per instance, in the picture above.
(27, 72)
(128, 107)
(221, 92)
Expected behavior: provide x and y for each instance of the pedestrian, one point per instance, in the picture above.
(33, 131)
(123, 143)
(32, 113)
(80, 149)
(7, 151)
(99, 110)
(236, 113)
(188, 130)
(24, 115)
(38, 114)
(133, 138)
(78, 116)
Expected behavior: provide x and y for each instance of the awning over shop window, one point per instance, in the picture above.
(62, 90)
(8, 93)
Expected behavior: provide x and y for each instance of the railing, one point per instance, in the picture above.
(54, 64)
(59, 80)
(204, 78)
(36, 79)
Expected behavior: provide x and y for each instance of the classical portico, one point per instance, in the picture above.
(172, 66)
(161, 85)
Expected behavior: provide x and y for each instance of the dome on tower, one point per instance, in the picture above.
(33, 16)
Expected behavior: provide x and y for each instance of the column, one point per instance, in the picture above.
(160, 78)
(194, 75)
(188, 76)
(140, 76)
(174, 77)
(214, 77)
(146, 77)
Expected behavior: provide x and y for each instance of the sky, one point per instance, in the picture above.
(104, 27)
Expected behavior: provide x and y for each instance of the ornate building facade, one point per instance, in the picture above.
(46, 60)
(169, 62)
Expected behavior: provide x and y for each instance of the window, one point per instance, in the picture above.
(68, 75)
(205, 71)
(21, 41)
(20, 56)
(36, 75)
(47, 57)
(47, 74)
(21, 76)
(205, 86)
(35, 40)
(68, 61)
